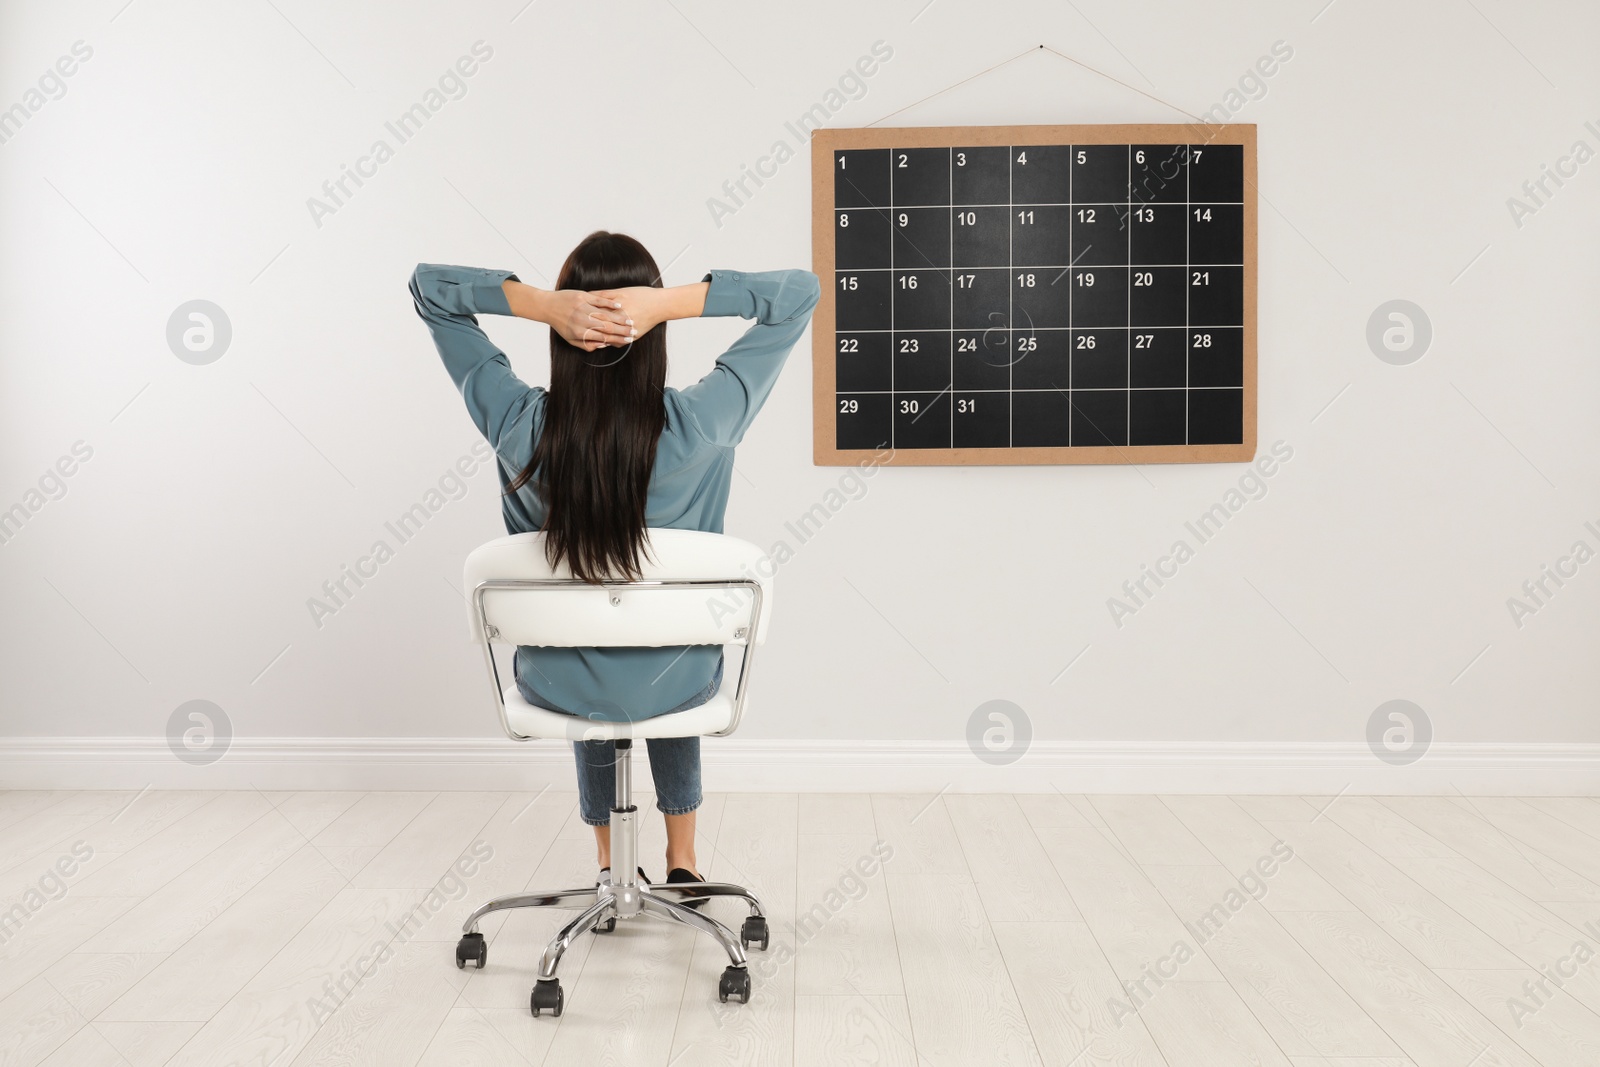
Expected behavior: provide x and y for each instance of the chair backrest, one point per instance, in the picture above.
(684, 597)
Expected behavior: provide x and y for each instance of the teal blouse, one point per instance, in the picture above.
(693, 467)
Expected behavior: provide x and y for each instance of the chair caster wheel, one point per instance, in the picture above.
(547, 996)
(754, 929)
(472, 947)
(605, 927)
(735, 982)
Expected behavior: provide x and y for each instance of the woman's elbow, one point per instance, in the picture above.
(808, 290)
(423, 287)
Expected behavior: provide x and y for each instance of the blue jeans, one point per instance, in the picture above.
(674, 765)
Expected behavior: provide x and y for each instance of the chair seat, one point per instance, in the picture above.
(715, 714)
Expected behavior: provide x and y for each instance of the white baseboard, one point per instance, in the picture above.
(734, 765)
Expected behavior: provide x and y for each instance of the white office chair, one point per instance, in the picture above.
(698, 589)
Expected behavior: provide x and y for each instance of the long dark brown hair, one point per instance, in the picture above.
(603, 416)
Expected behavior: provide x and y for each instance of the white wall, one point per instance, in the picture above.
(177, 566)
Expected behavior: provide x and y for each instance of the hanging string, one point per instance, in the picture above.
(957, 85)
(1019, 55)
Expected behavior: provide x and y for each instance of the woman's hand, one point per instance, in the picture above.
(605, 318)
(582, 319)
(587, 321)
(643, 306)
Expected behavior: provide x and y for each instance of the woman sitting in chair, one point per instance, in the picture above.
(608, 450)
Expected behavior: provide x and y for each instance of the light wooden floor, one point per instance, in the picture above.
(243, 927)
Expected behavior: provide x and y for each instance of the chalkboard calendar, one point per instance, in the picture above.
(1035, 294)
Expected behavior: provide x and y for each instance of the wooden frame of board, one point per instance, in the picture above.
(824, 368)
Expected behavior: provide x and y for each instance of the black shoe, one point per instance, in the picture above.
(682, 874)
(605, 872)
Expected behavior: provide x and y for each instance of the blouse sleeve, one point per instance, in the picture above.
(447, 298)
(725, 401)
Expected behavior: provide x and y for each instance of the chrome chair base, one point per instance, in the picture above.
(600, 907)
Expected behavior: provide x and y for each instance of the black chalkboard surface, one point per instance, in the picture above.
(1034, 294)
